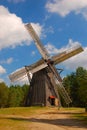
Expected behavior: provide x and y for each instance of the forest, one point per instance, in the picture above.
(75, 84)
(13, 96)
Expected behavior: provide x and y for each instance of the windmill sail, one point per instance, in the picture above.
(63, 93)
(18, 74)
(41, 64)
(38, 43)
(67, 54)
(61, 89)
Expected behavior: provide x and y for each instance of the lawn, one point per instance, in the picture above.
(15, 118)
(18, 118)
(78, 113)
(81, 116)
(20, 111)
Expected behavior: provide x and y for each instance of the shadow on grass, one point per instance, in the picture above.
(58, 122)
(68, 113)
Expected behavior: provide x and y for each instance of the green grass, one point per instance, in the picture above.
(78, 113)
(81, 116)
(18, 118)
(21, 111)
(76, 109)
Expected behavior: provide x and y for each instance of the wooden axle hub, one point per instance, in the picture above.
(49, 61)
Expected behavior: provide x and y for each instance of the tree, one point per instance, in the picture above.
(3, 95)
(25, 89)
(76, 84)
(82, 82)
(71, 86)
(15, 96)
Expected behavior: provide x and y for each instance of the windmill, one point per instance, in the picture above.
(46, 83)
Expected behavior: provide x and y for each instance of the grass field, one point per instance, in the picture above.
(78, 113)
(21, 111)
(81, 116)
(17, 118)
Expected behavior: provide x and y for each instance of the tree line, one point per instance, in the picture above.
(13, 96)
(75, 84)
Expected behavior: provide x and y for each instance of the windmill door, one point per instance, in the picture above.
(52, 100)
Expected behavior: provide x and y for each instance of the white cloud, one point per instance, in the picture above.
(46, 17)
(33, 53)
(1, 80)
(7, 61)
(16, 1)
(12, 30)
(2, 70)
(49, 30)
(64, 7)
(51, 49)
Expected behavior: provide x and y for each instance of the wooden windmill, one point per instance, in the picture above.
(46, 83)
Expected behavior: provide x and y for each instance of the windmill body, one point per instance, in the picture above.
(46, 83)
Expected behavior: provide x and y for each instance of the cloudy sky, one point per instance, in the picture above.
(60, 24)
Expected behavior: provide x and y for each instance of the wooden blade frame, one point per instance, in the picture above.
(38, 43)
(61, 89)
(17, 75)
(67, 54)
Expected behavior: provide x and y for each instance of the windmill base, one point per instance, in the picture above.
(42, 91)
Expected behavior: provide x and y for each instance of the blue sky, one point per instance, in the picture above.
(60, 24)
